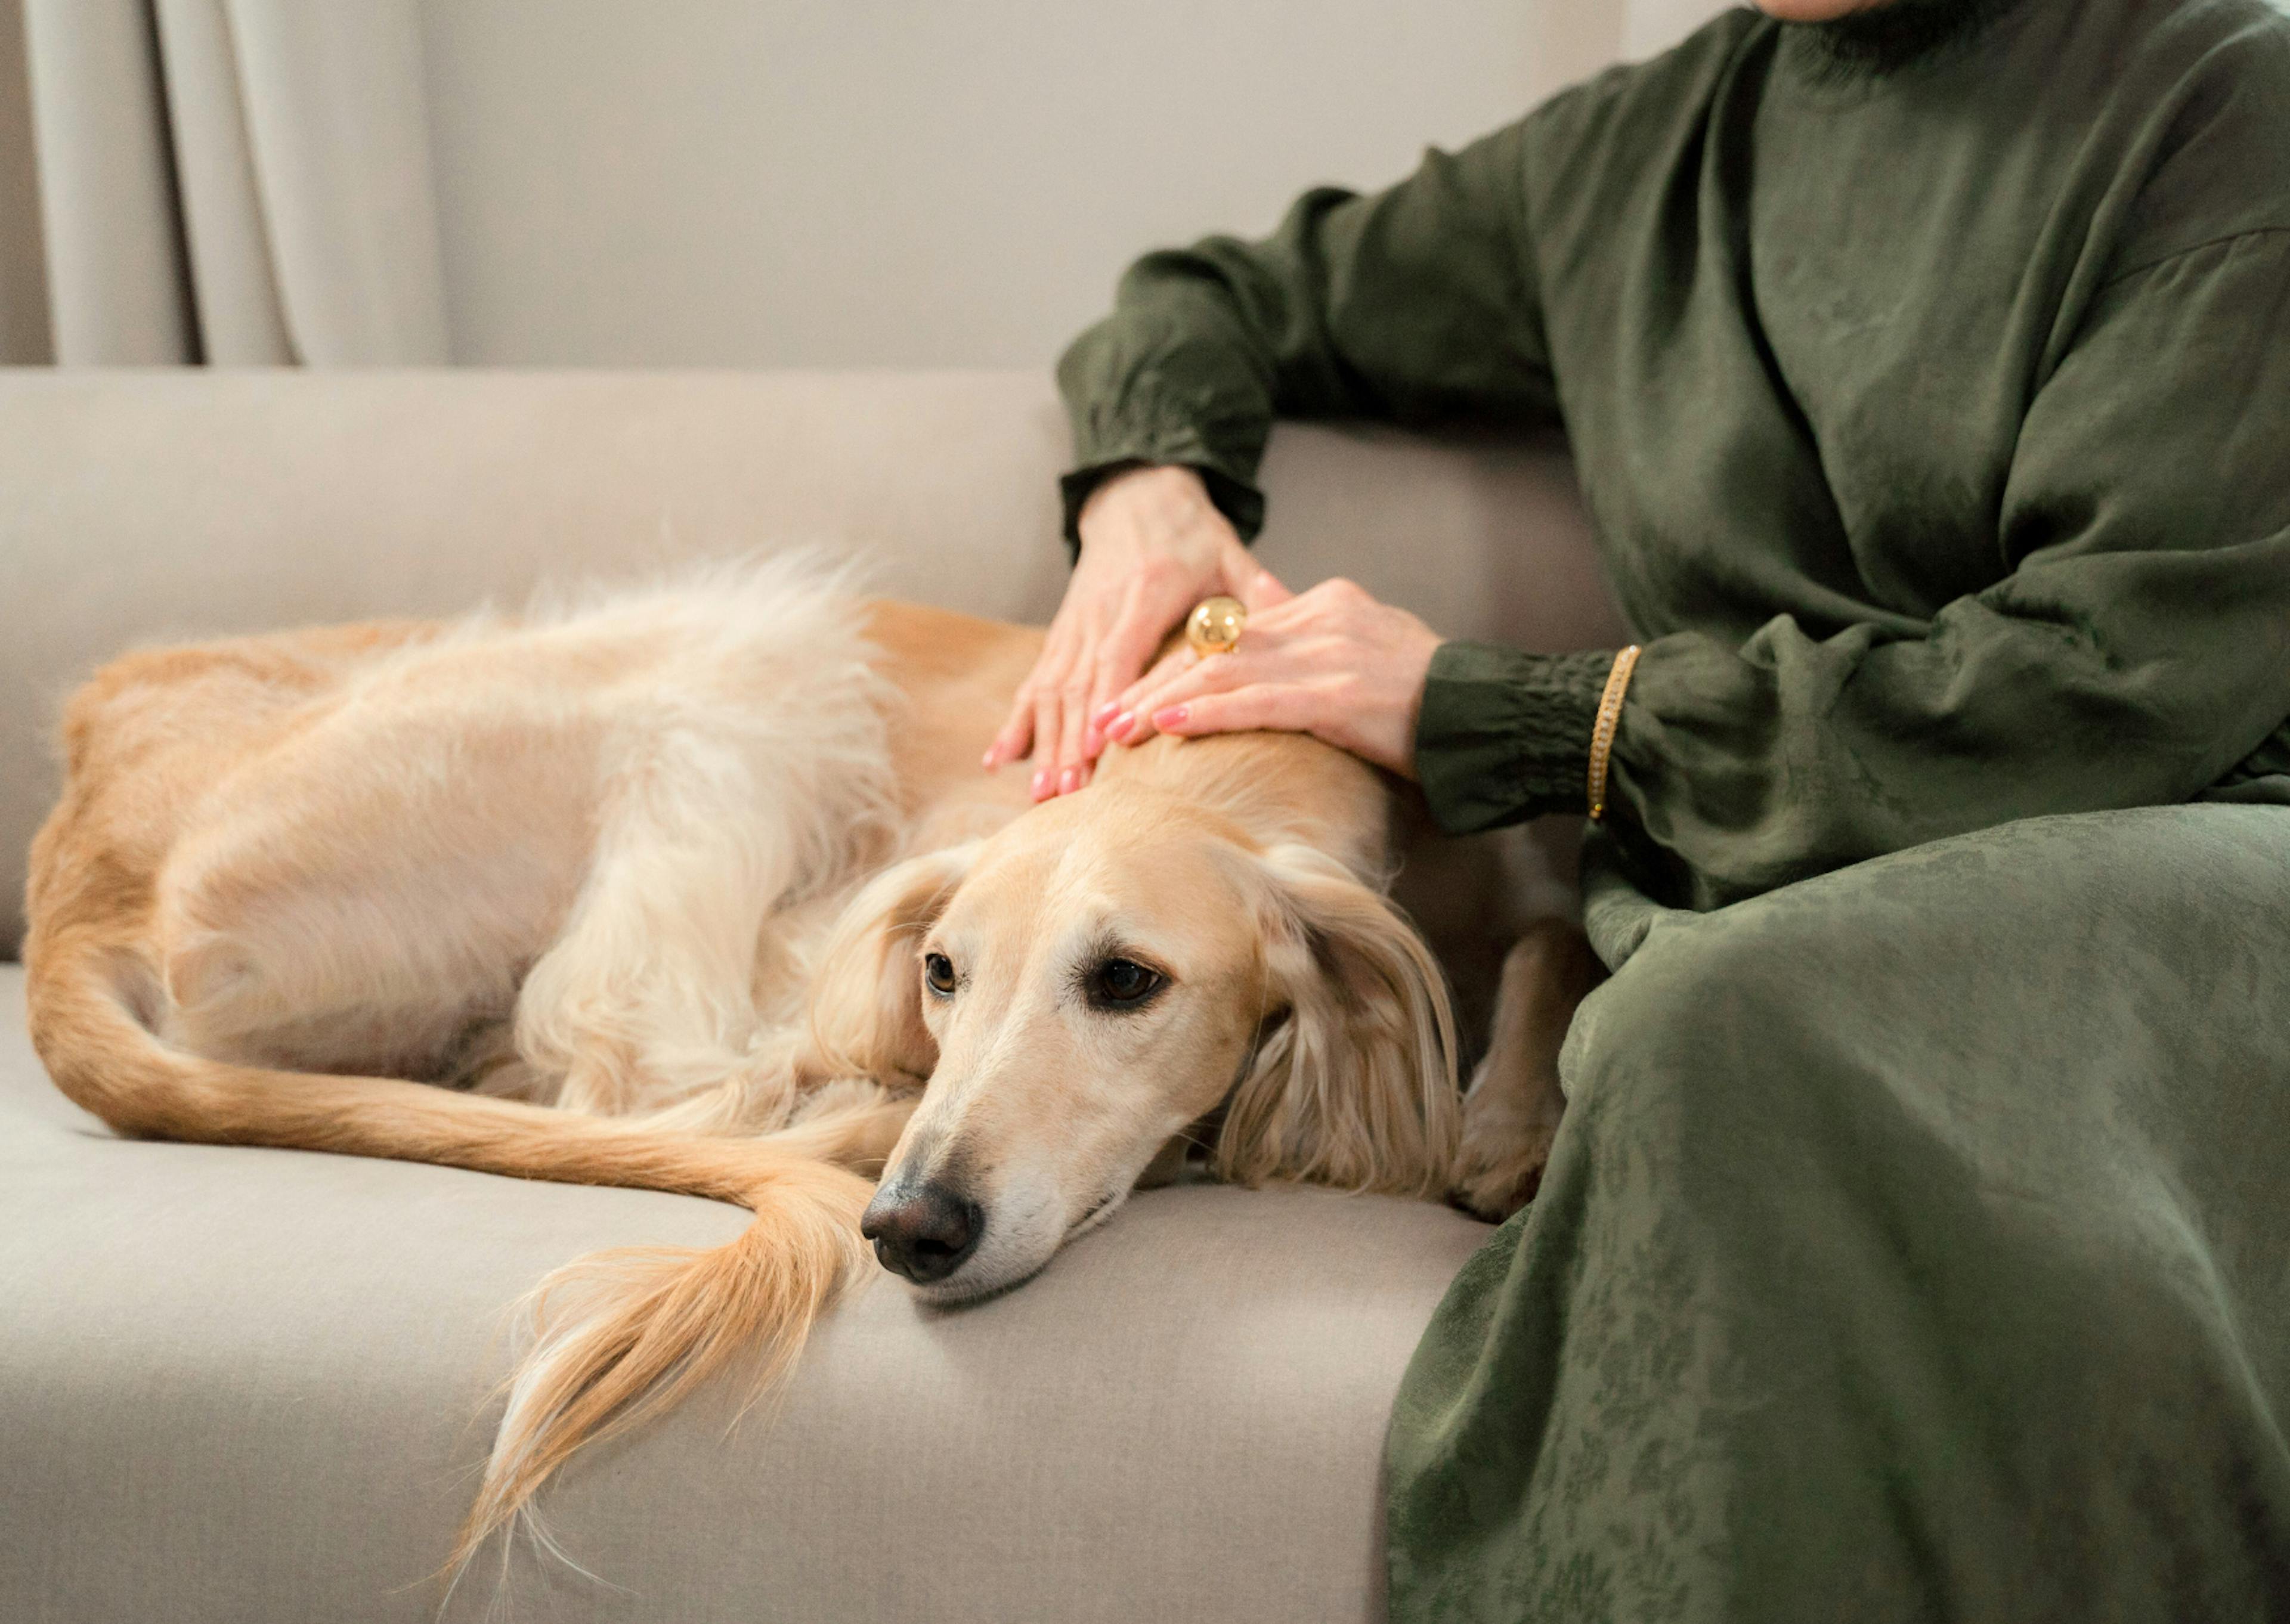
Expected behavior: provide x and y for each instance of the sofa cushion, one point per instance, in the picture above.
(149, 505)
(243, 1385)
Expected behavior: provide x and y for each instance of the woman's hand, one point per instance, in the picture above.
(1152, 546)
(1332, 662)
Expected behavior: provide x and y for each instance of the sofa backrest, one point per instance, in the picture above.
(145, 507)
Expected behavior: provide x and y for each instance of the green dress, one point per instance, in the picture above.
(1918, 1244)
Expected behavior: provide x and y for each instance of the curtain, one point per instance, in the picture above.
(244, 182)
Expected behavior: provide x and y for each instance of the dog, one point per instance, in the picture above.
(700, 889)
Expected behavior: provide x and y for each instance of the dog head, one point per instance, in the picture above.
(1087, 985)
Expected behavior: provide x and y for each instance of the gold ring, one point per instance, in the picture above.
(1213, 628)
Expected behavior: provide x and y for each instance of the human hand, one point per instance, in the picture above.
(1332, 662)
(1152, 546)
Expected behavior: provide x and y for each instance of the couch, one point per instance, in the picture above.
(248, 1385)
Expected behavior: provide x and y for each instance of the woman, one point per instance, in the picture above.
(1915, 1243)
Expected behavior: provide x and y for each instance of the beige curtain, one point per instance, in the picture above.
(244, 182)
(23, 276)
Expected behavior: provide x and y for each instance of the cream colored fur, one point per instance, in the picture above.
(646, 883)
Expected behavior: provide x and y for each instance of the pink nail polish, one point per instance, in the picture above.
(1106, 711)
(1121, 724)
(1174, 716)
(1041, 783)
(1069, 780)
(987, 760)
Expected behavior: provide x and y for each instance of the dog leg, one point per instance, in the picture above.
(649, 996)
(1512, 1111)
(361, 898)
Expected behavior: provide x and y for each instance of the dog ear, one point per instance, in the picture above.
(1355, 1087)
(866, 999)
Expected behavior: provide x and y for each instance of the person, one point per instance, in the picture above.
(1916, 1245)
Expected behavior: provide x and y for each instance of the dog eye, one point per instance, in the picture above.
(938, 973)
(1121, 982)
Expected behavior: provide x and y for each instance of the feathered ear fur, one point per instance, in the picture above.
(1357, 1087)
(866, 999)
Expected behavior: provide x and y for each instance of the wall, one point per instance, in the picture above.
(1649, 26)
(869, 182)
(914, 182)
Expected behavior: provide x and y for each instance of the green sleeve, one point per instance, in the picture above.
(2135, 651)
(1504, 735)
(1416, 304)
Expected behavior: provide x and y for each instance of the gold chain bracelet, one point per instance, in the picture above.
(1610, 717)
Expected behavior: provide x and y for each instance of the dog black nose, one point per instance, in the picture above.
(924, 1234)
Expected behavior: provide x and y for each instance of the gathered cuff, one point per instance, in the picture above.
(1505, 735)
(1126, 411)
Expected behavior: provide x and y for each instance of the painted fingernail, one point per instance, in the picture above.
(1174, 716)
(1041, 783)
(1069, 780)
(987, 760)
(1121, 724)
(1106, 711)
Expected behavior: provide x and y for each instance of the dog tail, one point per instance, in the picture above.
(620, 1334)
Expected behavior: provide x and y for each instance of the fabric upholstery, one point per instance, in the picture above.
(247, 1385)
(152, 506)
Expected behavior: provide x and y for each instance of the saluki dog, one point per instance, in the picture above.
(700, 889)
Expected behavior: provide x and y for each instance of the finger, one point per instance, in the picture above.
(1073, 726)
(1255, 585)
(1267, 652)
(1049, 682)
(1219, 673)
(1120, 660)
(1049, 721)
(1017, 732)
(1178, 660)
(1128, 723)
(1291, 612)
(1132, 722)
(1280, 707)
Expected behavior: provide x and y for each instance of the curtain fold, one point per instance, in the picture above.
(241, 319)
(335, 110)
(117, 291)
(243, 181)
(24, 339)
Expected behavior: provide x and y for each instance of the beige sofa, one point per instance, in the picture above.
(241, 1384)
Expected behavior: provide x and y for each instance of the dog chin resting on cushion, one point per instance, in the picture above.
(700, 889)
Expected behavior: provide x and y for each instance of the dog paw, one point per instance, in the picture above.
(1493, 1182)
